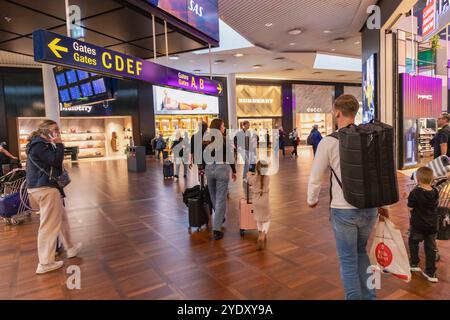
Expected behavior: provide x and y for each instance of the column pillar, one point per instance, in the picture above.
(231, 90)
(50, 94)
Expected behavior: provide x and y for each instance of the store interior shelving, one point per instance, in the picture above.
(427, 131)
(306, 121)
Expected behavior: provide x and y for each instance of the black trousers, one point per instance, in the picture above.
(315, 148)
(294, 152)
(415, 238)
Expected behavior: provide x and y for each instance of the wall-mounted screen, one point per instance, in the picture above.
(369, 89)
(172, 101)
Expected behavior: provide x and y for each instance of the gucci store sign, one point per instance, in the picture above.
(313, 98)
(258, 101)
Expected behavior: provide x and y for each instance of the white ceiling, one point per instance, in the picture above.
(344, 18)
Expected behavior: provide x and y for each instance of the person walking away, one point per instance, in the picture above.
(351, 226)
(153, 145)
(281, 141)
(218, 176)
(45, 163)
(259, 196)
(242, 145)
(179, 157)
(441, 141)
(422, 203)
(5, 157)
(198, 146)
(160, 145)
(293, 136)
(314, 138)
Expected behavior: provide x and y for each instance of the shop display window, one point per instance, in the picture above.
(170, 125)
(96, 137)
(306, 121)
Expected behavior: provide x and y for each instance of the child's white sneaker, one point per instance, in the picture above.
(44, 268)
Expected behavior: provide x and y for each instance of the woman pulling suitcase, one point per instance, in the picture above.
(259, 195)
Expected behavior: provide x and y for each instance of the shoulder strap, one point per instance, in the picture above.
(40, 169)
(334, 135)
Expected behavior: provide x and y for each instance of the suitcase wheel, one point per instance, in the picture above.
(242, 232)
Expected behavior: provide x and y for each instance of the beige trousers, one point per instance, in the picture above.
(54, 222)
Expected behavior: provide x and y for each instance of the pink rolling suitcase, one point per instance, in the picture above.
(246, 218)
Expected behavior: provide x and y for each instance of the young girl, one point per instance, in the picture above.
(259, 195)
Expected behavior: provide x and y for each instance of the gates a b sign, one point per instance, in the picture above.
(56, 49)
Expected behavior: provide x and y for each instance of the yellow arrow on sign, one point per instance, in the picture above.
(219, 88)
(55, 48)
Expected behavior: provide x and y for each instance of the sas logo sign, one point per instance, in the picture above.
(196, 8)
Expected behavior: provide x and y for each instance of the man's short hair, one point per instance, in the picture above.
(424, 175)
(347, 104)
(245, 122)
(446, 116)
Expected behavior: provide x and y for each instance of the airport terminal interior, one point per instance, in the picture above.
(105, 92)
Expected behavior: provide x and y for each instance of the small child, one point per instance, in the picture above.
(423, 202)
(259, 195)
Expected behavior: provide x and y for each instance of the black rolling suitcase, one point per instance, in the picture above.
(168, 169)
(199, 208)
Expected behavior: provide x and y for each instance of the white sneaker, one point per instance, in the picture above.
(44, 268)
(433, 278)
(74, 251)
(415, 269)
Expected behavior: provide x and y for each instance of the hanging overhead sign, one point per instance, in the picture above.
(429, 18)
(203, 15)
(56, 49)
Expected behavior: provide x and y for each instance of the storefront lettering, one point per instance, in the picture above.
(258, 101)
(424, 97)
(196, 8)
(64, 107)
(314, 110)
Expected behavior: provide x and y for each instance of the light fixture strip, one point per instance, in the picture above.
(154, 36)
(166, 38)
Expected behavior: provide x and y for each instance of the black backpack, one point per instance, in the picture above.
(369, 176)
(309, 140)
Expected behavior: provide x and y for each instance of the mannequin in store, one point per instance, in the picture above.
(114, 142)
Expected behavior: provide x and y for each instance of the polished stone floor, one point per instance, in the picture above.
(137, 246)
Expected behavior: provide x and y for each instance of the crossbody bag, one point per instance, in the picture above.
(62, 180)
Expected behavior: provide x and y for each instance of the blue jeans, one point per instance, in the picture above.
(218, 177)
(352, 228)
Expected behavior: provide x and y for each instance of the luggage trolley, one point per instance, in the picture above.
(14, 202)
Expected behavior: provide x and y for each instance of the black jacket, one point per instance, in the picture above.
(46, 156)
(424, 217)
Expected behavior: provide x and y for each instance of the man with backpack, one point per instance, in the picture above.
(351, 225)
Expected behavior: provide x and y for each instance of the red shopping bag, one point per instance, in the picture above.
(389, 252)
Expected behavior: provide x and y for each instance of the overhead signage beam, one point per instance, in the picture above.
(59, 50)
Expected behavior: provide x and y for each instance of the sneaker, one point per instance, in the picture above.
(217, 235)
(432, 278)
(74, 251)
(415, 268)
(44, 268)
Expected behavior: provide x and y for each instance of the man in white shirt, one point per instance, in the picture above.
(351, 226)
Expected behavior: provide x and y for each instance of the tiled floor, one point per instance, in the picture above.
(136, 244)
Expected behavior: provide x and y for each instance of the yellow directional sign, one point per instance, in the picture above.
(219, 88)
(55, 48)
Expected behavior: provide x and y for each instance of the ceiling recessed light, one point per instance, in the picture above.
(269, 24)
(292, 44)
(238, 55)
(326, 31)
(219, 61)
(357, 42)
(174, 57)
(278, 59)
(339, 40)
(333, 49)
(257, 66)
(8, 19)
(295, 32)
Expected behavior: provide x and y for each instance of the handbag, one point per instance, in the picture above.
(62, 180)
